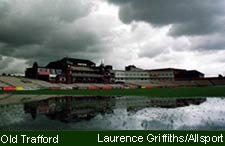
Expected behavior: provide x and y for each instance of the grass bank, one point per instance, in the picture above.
(212, 91)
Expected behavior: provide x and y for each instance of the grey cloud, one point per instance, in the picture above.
(3, 9)
(19, 32)
(72, 38)
(151, 50)
(189, 17)
(150, 53)
(209, 42)
(34, 21)
(44, 30)
(10, 65)
(4, 62)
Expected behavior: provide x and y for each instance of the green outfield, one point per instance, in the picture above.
(211, 91)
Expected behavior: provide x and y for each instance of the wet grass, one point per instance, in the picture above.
(211, 91)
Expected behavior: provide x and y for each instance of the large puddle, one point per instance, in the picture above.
(112, 113)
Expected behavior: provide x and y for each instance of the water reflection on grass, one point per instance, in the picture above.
(87, 113)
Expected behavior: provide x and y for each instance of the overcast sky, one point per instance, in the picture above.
(150, 34)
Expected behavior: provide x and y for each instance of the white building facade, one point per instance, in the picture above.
(131, 76)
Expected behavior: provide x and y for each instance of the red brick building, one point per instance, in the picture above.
(174, 74)
(70, 70)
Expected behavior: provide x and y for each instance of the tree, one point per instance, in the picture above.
(220, 76)
(3, 74)
(35, 65)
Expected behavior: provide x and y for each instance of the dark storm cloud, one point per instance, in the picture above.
(210, 42)
(43, 30)
(31, 22)
(17, 32)
(3, 9)
(189, 17)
